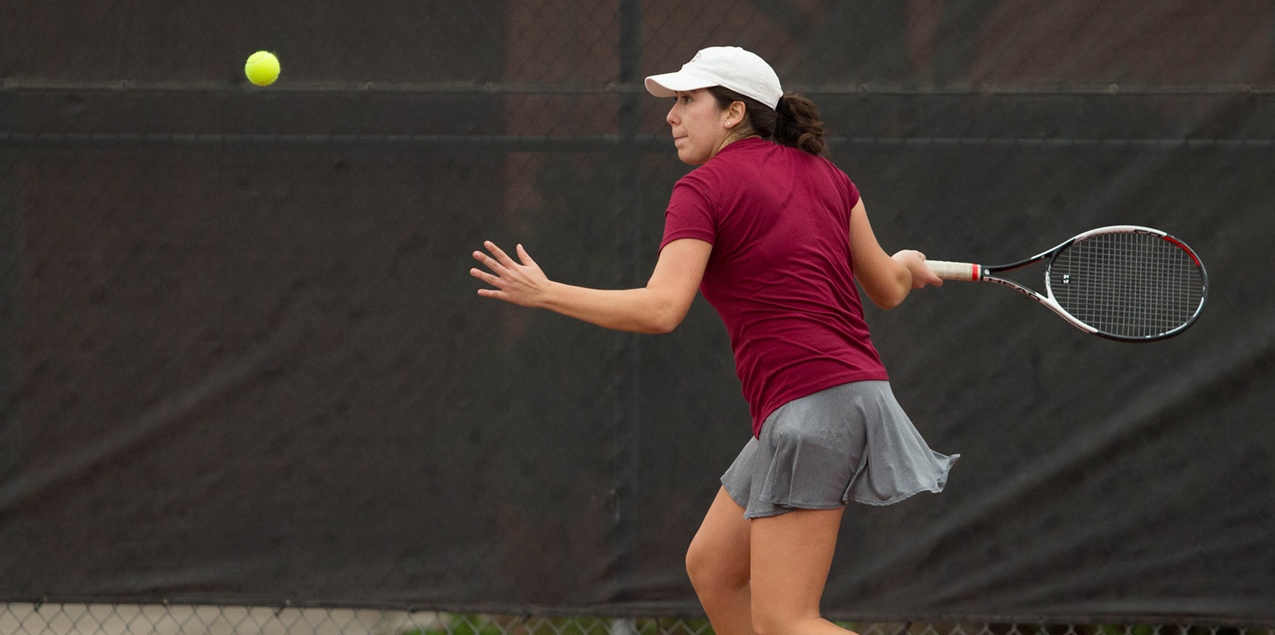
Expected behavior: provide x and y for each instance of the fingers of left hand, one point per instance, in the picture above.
(490, 262)
(485, 277)
(501, 257)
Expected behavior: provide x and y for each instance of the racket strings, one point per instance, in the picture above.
(1131, 285)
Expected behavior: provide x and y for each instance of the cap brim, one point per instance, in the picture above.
(668, 84)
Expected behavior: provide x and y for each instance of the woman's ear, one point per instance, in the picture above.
(735, 114)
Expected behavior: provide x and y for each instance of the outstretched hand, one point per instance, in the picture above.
(522, 283)
(921, 274)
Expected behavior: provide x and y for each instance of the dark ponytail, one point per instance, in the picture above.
(798, 124)
(794, 123)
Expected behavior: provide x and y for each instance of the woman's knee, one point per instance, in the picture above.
(709, 568)
(719, 553)
(765, 623)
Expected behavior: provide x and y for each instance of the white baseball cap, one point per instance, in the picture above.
(730, 67)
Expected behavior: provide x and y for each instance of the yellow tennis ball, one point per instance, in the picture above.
(262, 68)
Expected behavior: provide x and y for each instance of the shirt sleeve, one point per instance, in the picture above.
(853, 196)
(847, 185)
(689, 215)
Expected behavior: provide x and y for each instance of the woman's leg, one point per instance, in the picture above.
(791, 555)
(718, 564)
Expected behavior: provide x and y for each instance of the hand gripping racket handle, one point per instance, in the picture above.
(965, 271)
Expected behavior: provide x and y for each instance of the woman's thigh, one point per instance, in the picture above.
(790, 557)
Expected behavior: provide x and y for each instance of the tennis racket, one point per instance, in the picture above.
(1124, 282)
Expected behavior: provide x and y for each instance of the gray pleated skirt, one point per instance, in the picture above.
(848, 442)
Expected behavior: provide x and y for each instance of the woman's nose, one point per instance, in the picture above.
(669, 118)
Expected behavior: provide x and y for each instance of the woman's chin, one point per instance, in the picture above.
(689, 158)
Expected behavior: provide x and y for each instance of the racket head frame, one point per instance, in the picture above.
(985, 273)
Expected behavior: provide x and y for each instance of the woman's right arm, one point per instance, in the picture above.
(656, 308)
(886, 279)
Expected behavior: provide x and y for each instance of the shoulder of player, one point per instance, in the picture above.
(827, 164)
(838, 175)
(737, 168)
(711, 175)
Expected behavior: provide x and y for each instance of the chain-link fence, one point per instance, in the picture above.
(240, 355)
(27, 619)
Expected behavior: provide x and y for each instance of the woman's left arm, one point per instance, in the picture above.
(656, 308)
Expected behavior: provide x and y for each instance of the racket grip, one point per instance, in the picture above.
(966, 271)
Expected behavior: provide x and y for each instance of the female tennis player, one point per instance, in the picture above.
(774, 236)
